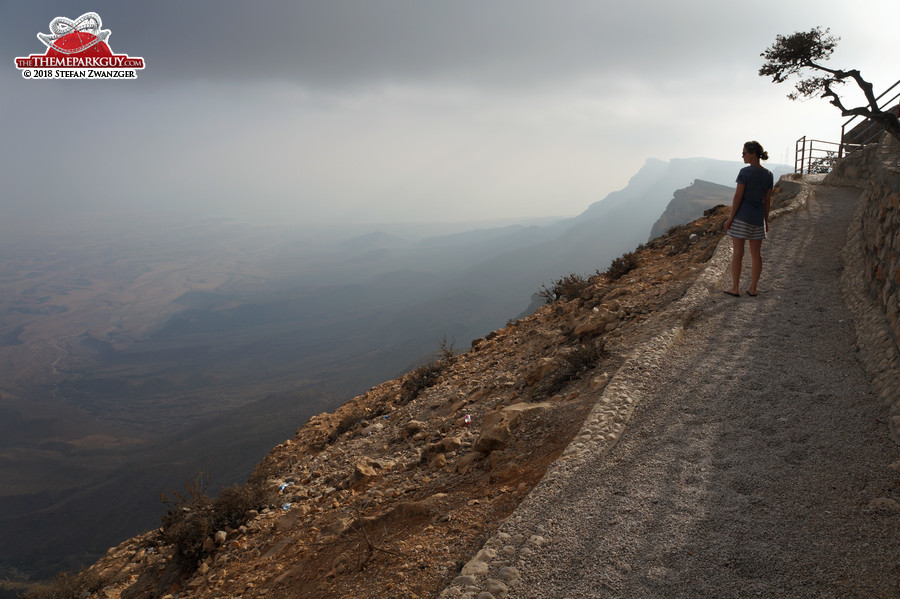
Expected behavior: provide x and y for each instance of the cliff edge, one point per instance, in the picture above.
(394, 493)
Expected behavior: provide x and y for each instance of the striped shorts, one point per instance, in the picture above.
(742, 230)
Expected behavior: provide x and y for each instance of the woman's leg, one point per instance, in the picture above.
(756, 264)
(737, 258)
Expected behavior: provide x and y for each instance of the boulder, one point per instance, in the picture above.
(467, 462)
(541, 369)
(413, 427)
(437, 461)
(595, 323)
(599, 382)
(497, 428)
(445, 445)
(363, 470)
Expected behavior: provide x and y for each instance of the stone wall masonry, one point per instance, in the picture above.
(871, 279)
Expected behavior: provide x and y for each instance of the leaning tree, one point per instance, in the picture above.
(802, 54)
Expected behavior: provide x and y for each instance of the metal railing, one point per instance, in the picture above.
(817, 156)
(866, 131)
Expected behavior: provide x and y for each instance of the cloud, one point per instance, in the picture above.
(411, 110)
(360, 42)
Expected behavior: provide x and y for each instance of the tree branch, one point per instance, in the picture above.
(790, 55)
(836, 101)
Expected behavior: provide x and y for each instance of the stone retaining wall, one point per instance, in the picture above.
(872, 257)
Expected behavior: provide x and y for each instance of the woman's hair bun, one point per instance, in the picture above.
(754, 147)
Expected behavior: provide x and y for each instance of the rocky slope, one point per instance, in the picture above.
(393, 492)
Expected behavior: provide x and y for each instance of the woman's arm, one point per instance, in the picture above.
(735, 203)
(767, 202)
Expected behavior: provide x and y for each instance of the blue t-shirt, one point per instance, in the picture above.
(757, 181)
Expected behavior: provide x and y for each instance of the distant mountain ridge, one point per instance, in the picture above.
(606, 229)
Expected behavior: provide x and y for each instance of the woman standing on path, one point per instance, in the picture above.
(749, 218)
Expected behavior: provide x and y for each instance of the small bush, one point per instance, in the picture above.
(419, 379)
(233, 503)
(187, 533)
(193, 516)
(428, 374)
(447, 351)
(622, 265)
(347, 422)
(585, 357)
(568, 288)
(580, 359)
(188, 521)
(822, 164)
(69, 586)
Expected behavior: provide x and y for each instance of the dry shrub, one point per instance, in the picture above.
(576, 361)
(188, 522)
(233, 503)
(419, 379)
(348, 421)
(567, 288)
(622, 265)
(69, 586)
(193, 516)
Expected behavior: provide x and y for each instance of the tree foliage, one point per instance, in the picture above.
(803, 54)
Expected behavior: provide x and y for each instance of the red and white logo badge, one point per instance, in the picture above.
(78, 50)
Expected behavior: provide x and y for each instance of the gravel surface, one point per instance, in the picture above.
(756, 462)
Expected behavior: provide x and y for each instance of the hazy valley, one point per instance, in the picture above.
(135, 354)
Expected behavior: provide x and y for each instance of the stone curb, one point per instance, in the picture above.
(493, 573)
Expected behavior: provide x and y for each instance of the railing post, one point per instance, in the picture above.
(841, 147)
(808, 156)
(801, 151)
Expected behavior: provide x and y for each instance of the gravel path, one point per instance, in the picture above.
(756, 463)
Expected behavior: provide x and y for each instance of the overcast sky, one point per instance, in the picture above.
(401, 110)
